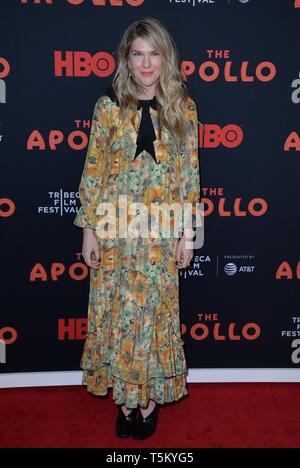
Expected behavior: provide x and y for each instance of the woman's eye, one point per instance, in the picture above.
(138, 53)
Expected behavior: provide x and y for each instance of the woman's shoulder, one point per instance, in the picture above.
(107, 100)
(110, 95)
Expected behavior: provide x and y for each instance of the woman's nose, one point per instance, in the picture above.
(146, 61)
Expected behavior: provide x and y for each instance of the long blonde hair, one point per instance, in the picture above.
(171, 90)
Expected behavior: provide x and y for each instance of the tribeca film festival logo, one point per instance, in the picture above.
(61, 202)
(199, 267)
(295, 344)
(4, 72)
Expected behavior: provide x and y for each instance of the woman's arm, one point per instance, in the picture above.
(189, 185)
(91, 181)
(190, 168)
(93, 171)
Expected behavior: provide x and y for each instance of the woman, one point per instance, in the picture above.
(143, 146)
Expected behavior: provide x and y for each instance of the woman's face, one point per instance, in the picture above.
(145, 65)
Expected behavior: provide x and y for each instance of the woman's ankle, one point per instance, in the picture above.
(146, 411)
(125, 410)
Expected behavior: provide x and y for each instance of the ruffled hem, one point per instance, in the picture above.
(160, 390)
(136, 348)
(142, 343)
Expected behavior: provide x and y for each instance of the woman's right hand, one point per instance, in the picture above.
(90, 249)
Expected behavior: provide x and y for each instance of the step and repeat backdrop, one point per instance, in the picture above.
(240, 304)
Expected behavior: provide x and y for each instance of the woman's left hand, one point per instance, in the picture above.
(183, 254)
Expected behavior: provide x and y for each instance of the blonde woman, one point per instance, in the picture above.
(143, 149)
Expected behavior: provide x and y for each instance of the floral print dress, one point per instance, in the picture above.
(134, 342)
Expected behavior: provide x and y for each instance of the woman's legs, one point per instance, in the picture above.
(125, 410)
(145, 411)
(141, 427)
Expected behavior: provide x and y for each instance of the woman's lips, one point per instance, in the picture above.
(147, 73)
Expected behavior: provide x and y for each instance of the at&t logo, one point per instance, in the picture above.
(230, 269)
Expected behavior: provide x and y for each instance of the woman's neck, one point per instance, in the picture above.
(146, 98)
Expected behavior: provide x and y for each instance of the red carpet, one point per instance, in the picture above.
(213, 415)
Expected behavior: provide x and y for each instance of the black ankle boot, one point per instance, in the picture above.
(145, 427)
(125, 424)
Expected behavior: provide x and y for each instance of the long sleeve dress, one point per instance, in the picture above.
(134, 342)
